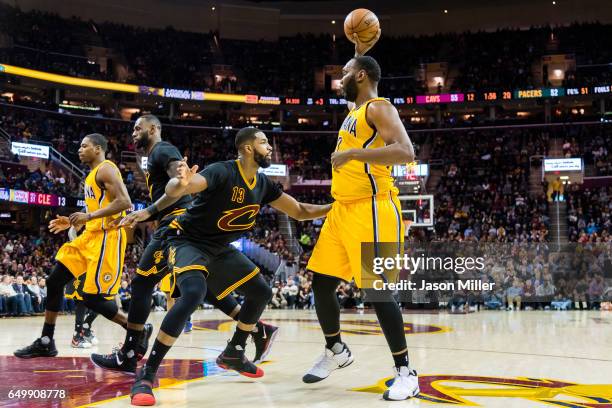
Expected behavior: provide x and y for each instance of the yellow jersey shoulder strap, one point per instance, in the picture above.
(97, 168)
(365, 109)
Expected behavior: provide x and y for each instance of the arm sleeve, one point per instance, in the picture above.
(216, 174)
(272, 190)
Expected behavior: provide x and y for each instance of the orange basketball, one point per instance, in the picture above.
(362, 22)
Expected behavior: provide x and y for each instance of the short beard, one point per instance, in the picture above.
(143, 142)
(351, 90)
(262, 160)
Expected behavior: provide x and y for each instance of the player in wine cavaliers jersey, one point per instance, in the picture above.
(197, 248)
(162, 162)
(371, 139)
(96, 256)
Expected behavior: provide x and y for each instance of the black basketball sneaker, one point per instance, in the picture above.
(116, 361)
(125, 360)
(263, 338)
(38, 349)
(142, 390)
(233, 358)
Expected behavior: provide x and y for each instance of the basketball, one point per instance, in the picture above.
(362, 22)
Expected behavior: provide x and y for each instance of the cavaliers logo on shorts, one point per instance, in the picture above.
(158, 256)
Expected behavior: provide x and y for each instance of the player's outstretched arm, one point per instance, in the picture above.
(384, 117)
(180, 184)
(299, 211)
(109, 178)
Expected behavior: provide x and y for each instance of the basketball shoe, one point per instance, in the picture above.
(79, 341)
(339, 356)
(263, 338)
(125, 360)
(142, 390)
(42, 347)
(405, 385)
(89, 335)
(188, 327)
(233, 358)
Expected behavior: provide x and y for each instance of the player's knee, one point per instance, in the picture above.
(322, 284)
(97, 303)
(141, 286)
(58, 278)
(266, 293)
(257, 289)
(192, 287)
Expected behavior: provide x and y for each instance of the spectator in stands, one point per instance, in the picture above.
(15, 304)
(557, 189)
(596, 290)
(514, 294)
(278, 301)
(37, 300)
(42, 287)
(24, 293)
(125, 295)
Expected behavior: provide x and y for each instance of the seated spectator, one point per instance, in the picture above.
(125, 295)
(24, 294)
(278, 301)
(37, 300)
(514, 294)
(15, 304)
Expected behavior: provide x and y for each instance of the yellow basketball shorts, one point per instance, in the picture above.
(99, 255)
(337, 252)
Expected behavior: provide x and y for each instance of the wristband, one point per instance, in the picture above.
(152, 209)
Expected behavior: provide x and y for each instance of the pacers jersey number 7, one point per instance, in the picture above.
(366, 209)
(357, 180)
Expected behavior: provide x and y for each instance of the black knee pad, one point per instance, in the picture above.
(227, 305)
(192, 285)
(256, 289)
(142, 286)
(97, 303)
(324, 284)
(57, 280)
(142, 293)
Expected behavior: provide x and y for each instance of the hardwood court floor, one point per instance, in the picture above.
(489, 358)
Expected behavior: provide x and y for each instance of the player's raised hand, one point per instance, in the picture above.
(185, 173)
(59, 224)
(360, 47)
(134, 218)
(339, 159)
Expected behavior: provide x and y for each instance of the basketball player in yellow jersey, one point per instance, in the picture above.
(97, 253)
(366, 209)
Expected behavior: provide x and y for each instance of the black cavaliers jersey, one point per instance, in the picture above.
(161, 156)
(229, 205)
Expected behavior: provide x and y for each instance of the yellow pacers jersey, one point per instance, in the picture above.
(357, 180)
(96, 198)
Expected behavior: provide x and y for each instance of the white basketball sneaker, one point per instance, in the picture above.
(405, 385)
(338, 357)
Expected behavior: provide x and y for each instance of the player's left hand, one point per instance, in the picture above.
(78, 218)
(339, 159)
